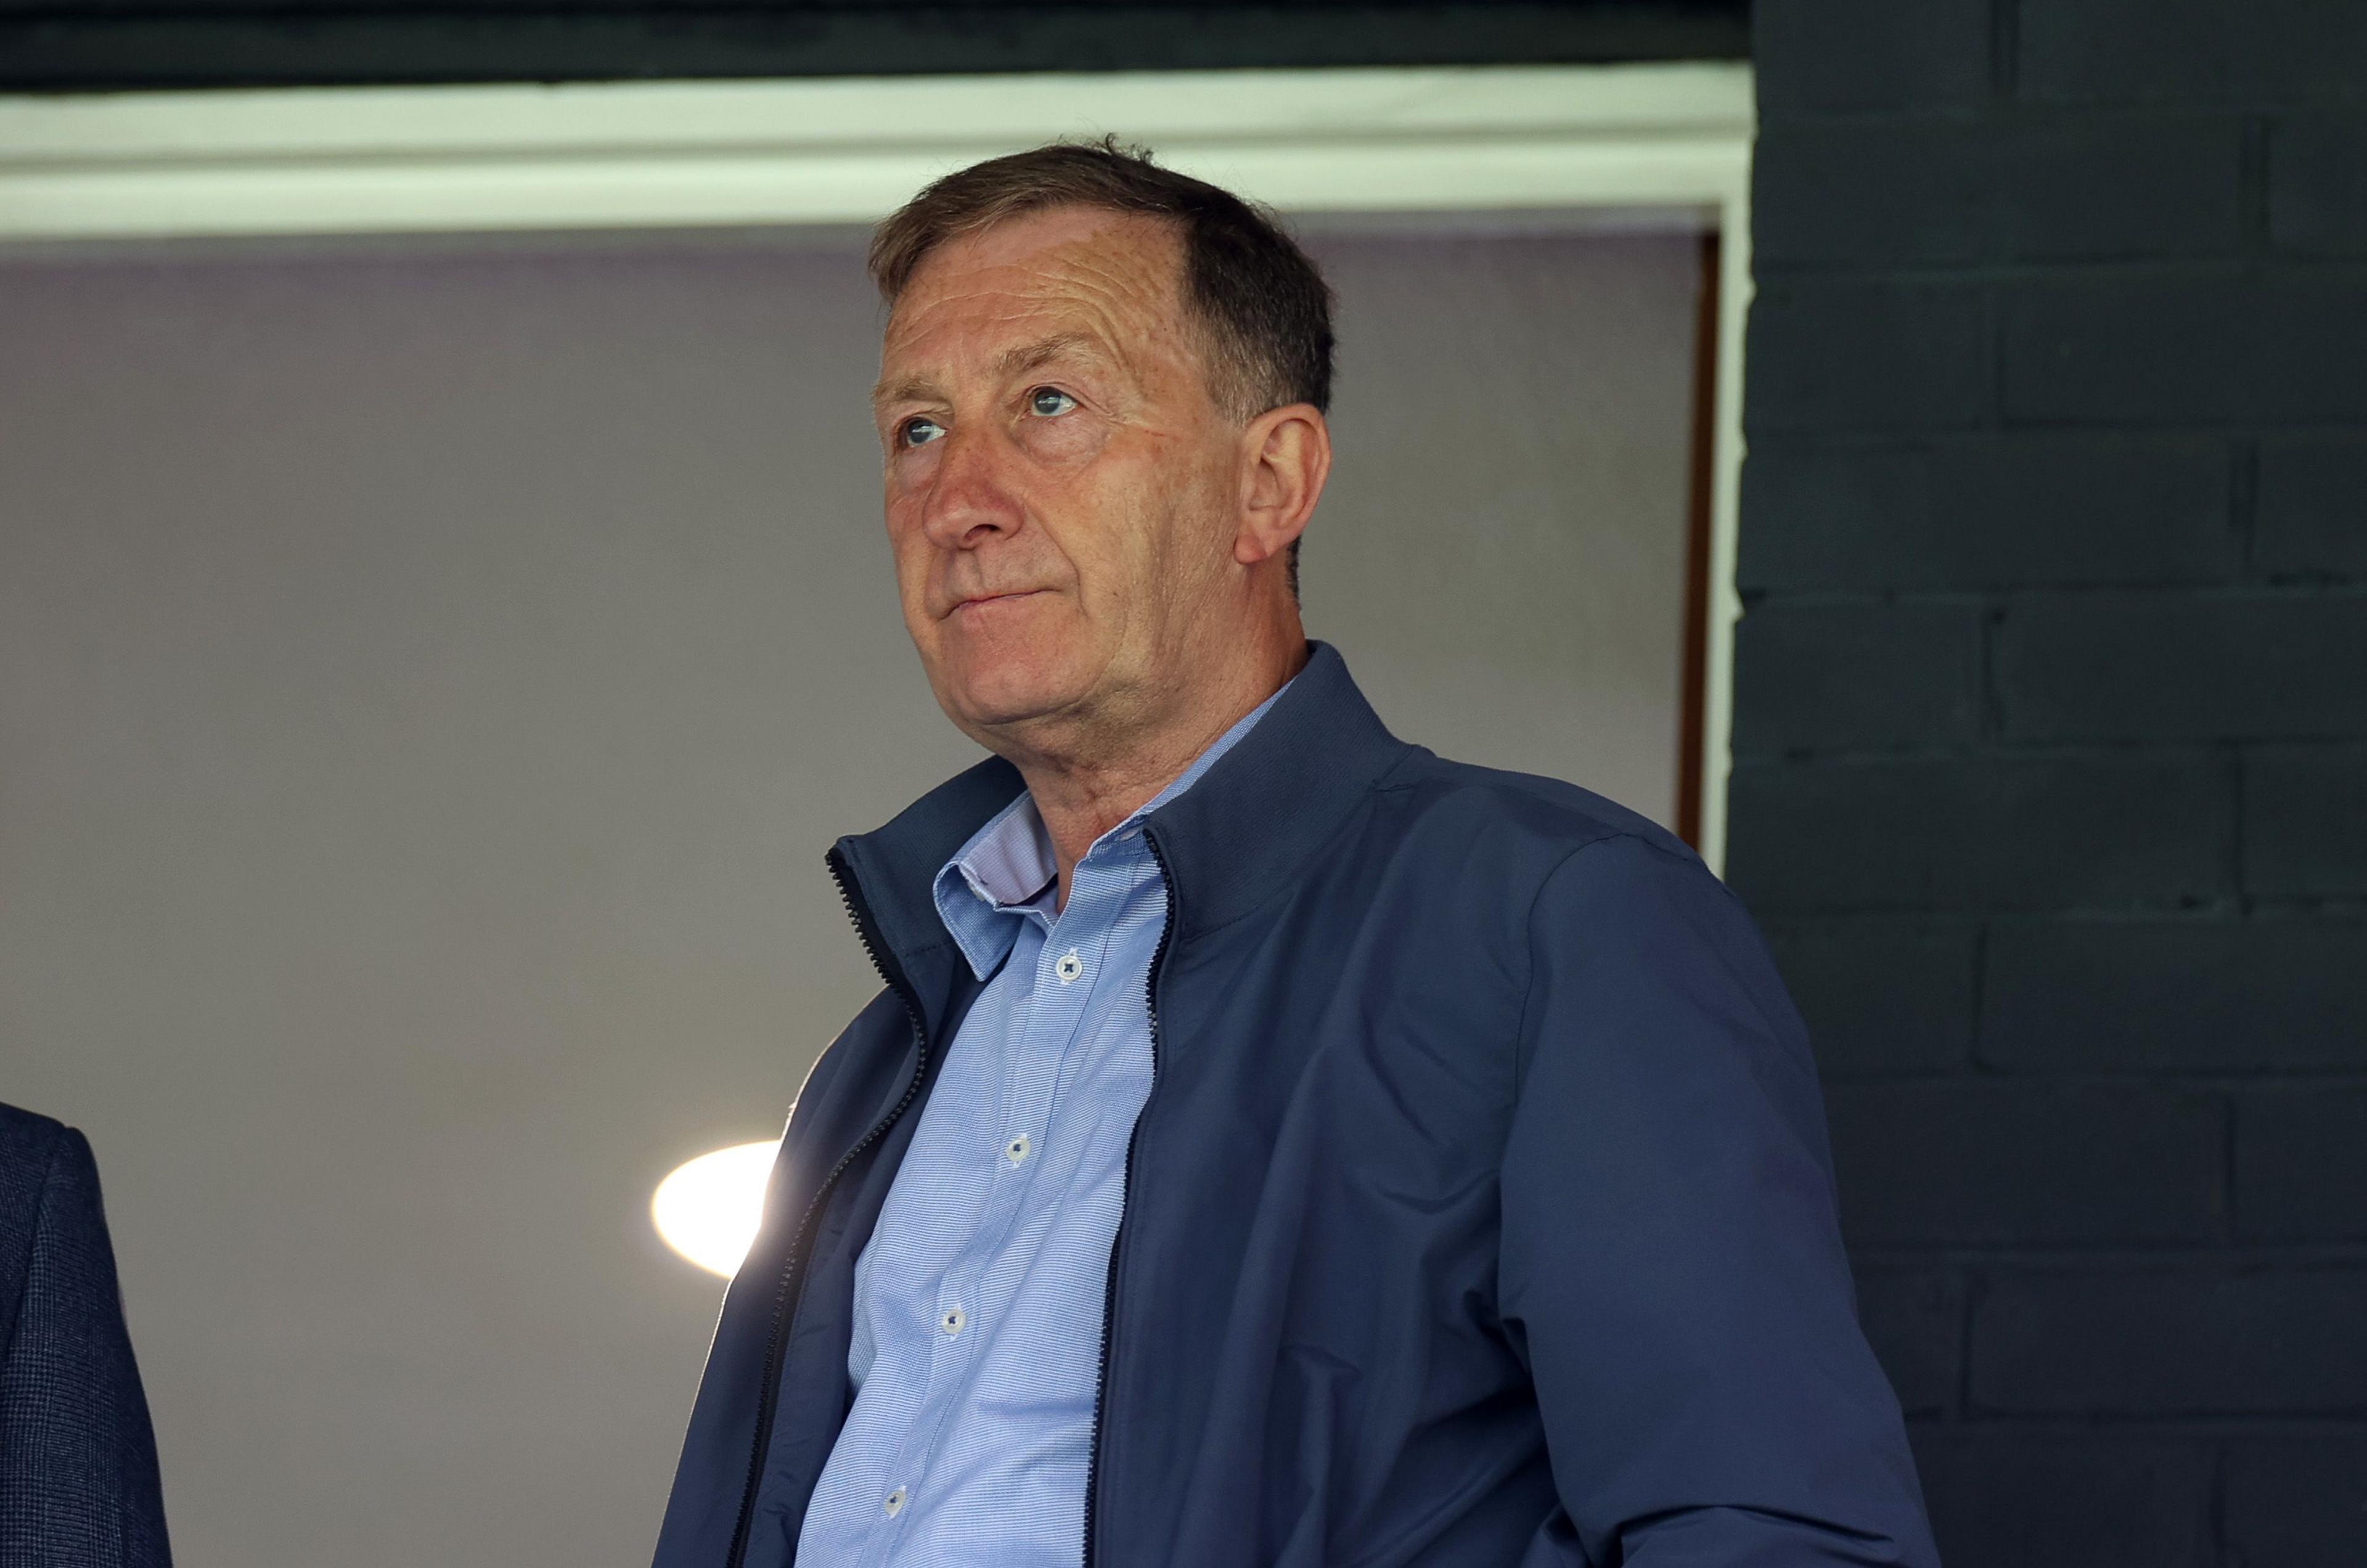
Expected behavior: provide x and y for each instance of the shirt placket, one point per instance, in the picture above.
(1056, 1010)
(1059, 1006)
(1077, 950)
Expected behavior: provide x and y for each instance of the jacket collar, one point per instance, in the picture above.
(1241, 832)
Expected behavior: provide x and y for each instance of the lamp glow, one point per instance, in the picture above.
(709, 1209)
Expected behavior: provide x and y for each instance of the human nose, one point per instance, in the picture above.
(968, 503)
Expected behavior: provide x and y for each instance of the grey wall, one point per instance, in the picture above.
(427, 684)
(1500, 551)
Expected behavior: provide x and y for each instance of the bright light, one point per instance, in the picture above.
(709, 1209)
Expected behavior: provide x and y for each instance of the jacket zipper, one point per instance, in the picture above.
(768, 1393)
(1126, 1196)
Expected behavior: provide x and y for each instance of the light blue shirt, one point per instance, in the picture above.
(978, 1303)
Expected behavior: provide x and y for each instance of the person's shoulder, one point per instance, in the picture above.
(1534, 820)
(31, 1148)
(29, 1142)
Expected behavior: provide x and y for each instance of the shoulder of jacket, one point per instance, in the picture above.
(29, 1142)
(1545, 821)
(30, 1148)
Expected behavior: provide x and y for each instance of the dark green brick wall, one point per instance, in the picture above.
(2052, 742)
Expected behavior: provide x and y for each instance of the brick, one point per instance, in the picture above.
(1881, 997)
(1915, 1320)
(1979, 511)
(2186, 1340)
(2235, 348)
(2296, 1502)
(1866, 356)
(2310, 514)
(1979, 833)
(2301, 1164)
(1857, 678)
(2167, 995)
(1850, 56)
(1968, 191)
(1969, 1164)
(2183, 666)
(2305, 831)
(2024, 1498)
(2250, 51)
(2318, 184)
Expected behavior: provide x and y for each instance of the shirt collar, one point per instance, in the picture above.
(1006, 872)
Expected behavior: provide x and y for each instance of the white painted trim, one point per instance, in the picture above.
(1724, 607)
(642, 155)
(1669, 139)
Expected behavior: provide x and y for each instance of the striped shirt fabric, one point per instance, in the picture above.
(979, 1299)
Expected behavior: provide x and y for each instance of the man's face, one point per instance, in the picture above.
(1061, 486)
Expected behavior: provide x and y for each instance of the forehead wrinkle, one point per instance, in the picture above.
(1122, 312)
(1144, 287)
(1020, 358)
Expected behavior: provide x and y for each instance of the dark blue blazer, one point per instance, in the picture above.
(78, 1486)
(1480, 1215)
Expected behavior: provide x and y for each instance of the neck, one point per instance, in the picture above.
(1082, 791)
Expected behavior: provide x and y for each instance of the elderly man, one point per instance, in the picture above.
(1274, 1144)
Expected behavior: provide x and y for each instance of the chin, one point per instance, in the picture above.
(992, 690)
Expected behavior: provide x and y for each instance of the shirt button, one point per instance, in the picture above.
(1017, 1150)
(952, 1322)
(1069, 967)
(895, 1504)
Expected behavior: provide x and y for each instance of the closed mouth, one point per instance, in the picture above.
(984, 599)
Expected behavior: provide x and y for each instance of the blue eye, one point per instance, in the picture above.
(1050, 401)
(918, 432)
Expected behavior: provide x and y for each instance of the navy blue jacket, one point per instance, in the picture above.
(77, 1459)
(1480, 1213)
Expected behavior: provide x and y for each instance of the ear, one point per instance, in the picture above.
(1285, 456)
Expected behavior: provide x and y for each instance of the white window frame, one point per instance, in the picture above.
(1668, 143)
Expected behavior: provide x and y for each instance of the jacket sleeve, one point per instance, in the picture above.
(1673, 1267)
(78, 1482)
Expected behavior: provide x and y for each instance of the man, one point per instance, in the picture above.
(78, 1484)
(1273, 1145)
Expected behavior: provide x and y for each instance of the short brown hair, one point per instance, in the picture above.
(1264, 310)
(1262, 306)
